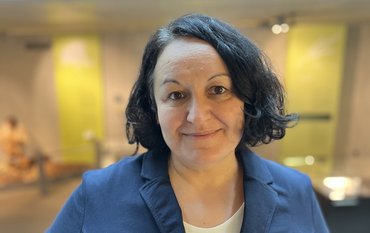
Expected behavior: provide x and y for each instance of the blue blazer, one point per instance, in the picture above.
(135, 196)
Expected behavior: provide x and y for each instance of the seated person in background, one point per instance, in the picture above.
(13, 142)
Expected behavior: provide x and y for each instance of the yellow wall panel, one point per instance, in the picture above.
(77, 61)
(313, 82)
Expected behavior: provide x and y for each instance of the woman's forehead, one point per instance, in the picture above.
(187, 47)
(187, 54)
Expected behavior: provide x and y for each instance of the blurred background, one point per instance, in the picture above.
(67, 68)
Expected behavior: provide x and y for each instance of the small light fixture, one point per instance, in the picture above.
(276, 29)
(309, 160)
(280, 25)
(284, 28)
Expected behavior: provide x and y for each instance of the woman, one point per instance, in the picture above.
(204, 94)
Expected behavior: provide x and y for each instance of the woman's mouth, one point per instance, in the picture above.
(202, 134)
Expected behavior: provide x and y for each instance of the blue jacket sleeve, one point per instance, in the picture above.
(71, 218)
(317, 216)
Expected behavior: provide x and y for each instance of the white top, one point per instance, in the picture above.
(232, 225)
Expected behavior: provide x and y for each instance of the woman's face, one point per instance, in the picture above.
(200, 117)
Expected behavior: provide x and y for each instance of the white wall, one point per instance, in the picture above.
(356, 139)
(121, 60)
(27, 91)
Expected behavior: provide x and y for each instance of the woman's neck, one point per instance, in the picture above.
(225, 171)
(210, 196)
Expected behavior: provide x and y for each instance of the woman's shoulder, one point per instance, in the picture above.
(265, 169)
(278, 175)
(126, 170)
(282, 172)
(288, 180)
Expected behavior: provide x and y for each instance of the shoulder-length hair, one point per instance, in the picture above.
(253, 82)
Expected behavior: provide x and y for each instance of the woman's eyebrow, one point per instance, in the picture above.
(169, 80)
(219, 75)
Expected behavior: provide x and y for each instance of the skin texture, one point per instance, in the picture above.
(202, 123)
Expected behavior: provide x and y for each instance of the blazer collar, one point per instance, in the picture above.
(158, 194)
(260, 198)
(155, 165)
(254, 166)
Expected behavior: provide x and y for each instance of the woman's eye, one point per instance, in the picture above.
(176, 95)
(218, 90)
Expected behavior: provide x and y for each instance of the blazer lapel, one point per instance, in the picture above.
(260, 198)
(260, 204)
(158, 194)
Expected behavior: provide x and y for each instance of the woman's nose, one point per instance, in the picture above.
(198, 110)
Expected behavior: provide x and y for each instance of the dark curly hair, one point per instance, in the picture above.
(253, 82)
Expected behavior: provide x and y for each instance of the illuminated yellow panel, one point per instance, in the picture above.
(313, 82)
(77, 61)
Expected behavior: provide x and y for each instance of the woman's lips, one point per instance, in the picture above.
(203, 134)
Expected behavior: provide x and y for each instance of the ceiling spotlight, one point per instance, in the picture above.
(276, 29)
(284, 28)
(280, 24)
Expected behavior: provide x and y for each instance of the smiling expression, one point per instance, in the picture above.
(200, 117)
